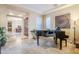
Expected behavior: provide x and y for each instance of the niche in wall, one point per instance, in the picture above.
(15, 24)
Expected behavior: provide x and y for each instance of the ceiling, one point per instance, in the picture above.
(39, 8)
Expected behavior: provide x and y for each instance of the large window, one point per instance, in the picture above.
(48, 22)
(39, 23)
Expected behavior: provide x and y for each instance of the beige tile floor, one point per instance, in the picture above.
(18, 45)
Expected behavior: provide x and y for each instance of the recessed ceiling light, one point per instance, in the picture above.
(20, 15)
(10, 13)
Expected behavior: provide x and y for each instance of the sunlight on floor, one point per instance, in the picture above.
(18, 41)
(25, 46)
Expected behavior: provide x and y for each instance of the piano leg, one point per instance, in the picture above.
(60, 44)
(66, 42)
(55, 40)
(37, 40)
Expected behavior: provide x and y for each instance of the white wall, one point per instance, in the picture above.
(32, 23)
(4, 11)
(3, 14)
(15, 22)
(74, 12)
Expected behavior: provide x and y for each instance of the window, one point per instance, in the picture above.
(39, 23)
(48, 22)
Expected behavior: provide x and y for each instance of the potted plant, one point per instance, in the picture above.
(2, 36)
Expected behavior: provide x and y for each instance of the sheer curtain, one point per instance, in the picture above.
(48, 22)
(39, 23)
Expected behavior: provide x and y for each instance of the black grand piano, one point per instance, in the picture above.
(45, 33)
(52, 33)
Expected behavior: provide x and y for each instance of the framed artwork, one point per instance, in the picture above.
(9, 26)
(18, 29)
(10, 29)
(62, 21)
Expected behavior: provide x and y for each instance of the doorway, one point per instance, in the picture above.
(15, 25)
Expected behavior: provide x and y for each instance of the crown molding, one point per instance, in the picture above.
(57, 9)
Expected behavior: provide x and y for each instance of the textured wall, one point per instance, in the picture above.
(74, 11)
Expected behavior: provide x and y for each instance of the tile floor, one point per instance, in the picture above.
(18, 45)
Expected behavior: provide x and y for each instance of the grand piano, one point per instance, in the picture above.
(45, 33)
(52, 33)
